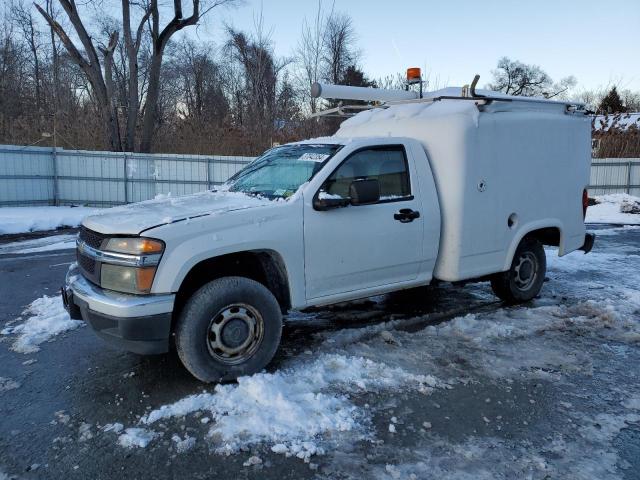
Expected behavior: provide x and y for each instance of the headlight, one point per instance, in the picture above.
(135, 245)
(129, 264)
(136, 280)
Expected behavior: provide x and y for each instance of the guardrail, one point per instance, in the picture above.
(48, 176)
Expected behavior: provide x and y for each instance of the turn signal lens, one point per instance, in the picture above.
(144, 278)
(136, 245)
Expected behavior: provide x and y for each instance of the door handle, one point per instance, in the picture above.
(406, 215)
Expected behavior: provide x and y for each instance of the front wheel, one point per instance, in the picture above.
(523, 281)
(229, 328)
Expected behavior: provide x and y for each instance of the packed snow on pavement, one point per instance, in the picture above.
(615, 208)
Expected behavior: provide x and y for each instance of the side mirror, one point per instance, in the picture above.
(364, 192)
(326, 201)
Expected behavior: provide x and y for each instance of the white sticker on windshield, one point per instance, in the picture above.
(314, 157)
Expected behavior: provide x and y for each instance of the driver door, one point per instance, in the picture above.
(360, 247)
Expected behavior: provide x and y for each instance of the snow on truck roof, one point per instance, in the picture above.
(443, 103)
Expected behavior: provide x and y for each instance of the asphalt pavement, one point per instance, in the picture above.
(50, 424)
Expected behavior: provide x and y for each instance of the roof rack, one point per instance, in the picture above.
(345, 110)
(387, 98)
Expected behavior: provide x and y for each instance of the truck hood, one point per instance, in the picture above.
(135, 218)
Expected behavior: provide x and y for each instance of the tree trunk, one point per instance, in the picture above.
(151, 104)
(132, 47)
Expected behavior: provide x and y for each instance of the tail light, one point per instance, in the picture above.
(585, 203)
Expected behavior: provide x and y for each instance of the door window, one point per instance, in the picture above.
(388, 165)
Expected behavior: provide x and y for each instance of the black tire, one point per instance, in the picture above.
(513, 287)
(221, 317)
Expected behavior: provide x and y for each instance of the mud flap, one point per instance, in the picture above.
(589, 238)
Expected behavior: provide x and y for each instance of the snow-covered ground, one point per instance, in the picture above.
(33, 219)
(362, 387)
(545, 390)
(46, 319)
(614, 208)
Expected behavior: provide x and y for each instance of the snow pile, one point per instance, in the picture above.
(588, 317)
(34, 219)
(8, 384)
(48, 319)
(183, 445)
(292, 408)
(46, 244)
(136, 437)
(113, 427)
(615, 208)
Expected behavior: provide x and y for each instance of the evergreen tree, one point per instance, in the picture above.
(612, 103)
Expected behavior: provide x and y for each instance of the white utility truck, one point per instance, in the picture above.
(456, 185)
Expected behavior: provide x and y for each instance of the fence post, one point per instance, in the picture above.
(629, 177)
(126, 178)
(54, 159)
(208, 174)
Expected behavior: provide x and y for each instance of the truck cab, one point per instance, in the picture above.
(334, 219)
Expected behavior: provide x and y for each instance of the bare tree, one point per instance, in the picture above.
(132, 46)
(309, 56)
(90, 64)
(31, 35)
(516, 78)
(338, 46)
(101, 74)
(260, 72)
(202, 96)
(159, 40)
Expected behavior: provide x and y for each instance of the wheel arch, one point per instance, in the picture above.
(264, 266)
(548, 233)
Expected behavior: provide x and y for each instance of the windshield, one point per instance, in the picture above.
(279, 172)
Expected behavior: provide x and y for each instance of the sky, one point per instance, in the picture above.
(596, 41)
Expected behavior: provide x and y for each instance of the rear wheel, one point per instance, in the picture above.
(523, 281)
(229, 328)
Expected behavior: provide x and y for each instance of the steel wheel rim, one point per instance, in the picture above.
(235, 333)
(525, 271)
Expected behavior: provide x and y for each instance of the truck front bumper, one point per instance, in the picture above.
(138, 323)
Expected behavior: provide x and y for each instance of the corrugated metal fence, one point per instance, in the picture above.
(615, 175)
(44, 176)
(47, 176)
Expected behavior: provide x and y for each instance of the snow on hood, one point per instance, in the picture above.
(137, 217)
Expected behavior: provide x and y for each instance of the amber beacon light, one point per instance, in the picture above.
(413, 75)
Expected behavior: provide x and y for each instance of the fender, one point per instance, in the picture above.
(527, 229)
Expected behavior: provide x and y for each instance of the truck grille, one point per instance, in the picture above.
(86, 264)
(91, 238)
(90, 268)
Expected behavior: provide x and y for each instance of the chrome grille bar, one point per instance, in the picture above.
(118, 258)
